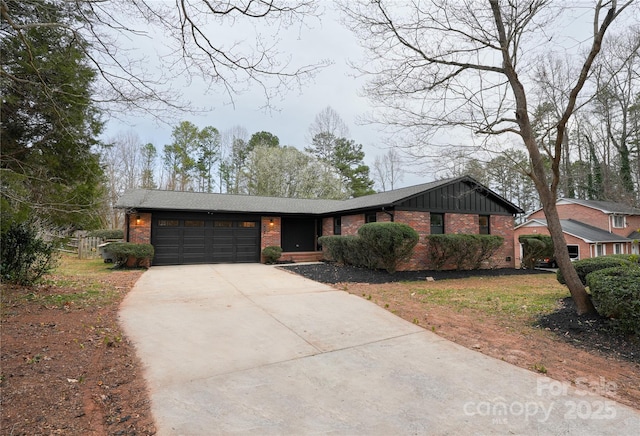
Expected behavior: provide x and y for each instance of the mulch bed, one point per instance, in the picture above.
(332, 273)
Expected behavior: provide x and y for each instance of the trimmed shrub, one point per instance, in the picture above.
(377, 245)
(25, 256)
(348, 250)
(142, 253)
(586, 266)
(616, 294)
(389, 243)
(107, 234)
(535, 247)
(463, 250)
(272, 253)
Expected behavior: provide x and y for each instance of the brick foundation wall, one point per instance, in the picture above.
(140, 230)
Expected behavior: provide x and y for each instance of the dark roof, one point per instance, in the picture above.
(583, 231)
(196, 201)
(608, 207)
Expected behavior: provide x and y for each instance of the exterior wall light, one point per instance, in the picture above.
(138, 219)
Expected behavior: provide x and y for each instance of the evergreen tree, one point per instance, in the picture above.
(49, 123)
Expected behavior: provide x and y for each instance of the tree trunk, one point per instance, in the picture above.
(576, 288)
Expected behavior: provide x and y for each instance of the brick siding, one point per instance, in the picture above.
(140, 230)
(271, 231)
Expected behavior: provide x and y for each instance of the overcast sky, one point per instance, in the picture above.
(334, 86)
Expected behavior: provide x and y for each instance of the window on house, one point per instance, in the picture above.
(370, 217)
(618, 249)
(483, 221)
(574, 252)
(168, 223)
(600, 251)
(337, 225)
(618, 221)
(194, 223)
(247, 224)
(223, 224)
(437, 223)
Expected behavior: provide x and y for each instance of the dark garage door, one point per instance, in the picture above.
(204, 239)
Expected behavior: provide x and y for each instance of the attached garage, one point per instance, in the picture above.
(204, 238)
(200, 228)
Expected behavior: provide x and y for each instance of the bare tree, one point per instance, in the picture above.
(112, 29)
(442, 64)
(122, 160)
(388, 170)
(328, 121)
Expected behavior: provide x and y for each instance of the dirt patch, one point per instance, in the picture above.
(67, 368)
(585, 352)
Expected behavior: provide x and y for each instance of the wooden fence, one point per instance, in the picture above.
(85, 247)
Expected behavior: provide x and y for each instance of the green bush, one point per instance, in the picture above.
(107, 234)
(616, 294)
(348, 250)
(465, 251)
(535, 247)
(377, 245)
(26, 257)
(142, 253)
(586, 266)
(389, 243)
(272, 253)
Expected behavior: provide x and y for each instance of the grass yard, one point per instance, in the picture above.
(521, 298)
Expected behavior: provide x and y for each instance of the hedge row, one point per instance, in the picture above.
(377, 245)
(616, 294)
(584, 267)
(463, 250)
(142, 253)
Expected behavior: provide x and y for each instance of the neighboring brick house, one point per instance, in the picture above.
(189, 227)
(592, 228)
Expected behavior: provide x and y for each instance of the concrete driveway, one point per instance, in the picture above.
(251, 349)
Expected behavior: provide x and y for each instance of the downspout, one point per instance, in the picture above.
(127, 217)
(389, 213)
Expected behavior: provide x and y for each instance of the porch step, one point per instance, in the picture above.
(302, 256)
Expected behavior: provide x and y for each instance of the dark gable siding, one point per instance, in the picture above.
(460, 197)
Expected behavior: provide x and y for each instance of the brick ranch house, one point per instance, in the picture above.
(191, 228)
(591, 228)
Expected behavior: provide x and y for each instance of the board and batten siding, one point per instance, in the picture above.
(456, 197)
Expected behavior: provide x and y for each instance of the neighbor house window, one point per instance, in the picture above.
(483, 221)
(574, 252)
(618, 249)
(437, 223)
(337, 225)
(600, 251)
(618, 221)
(370, 217)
